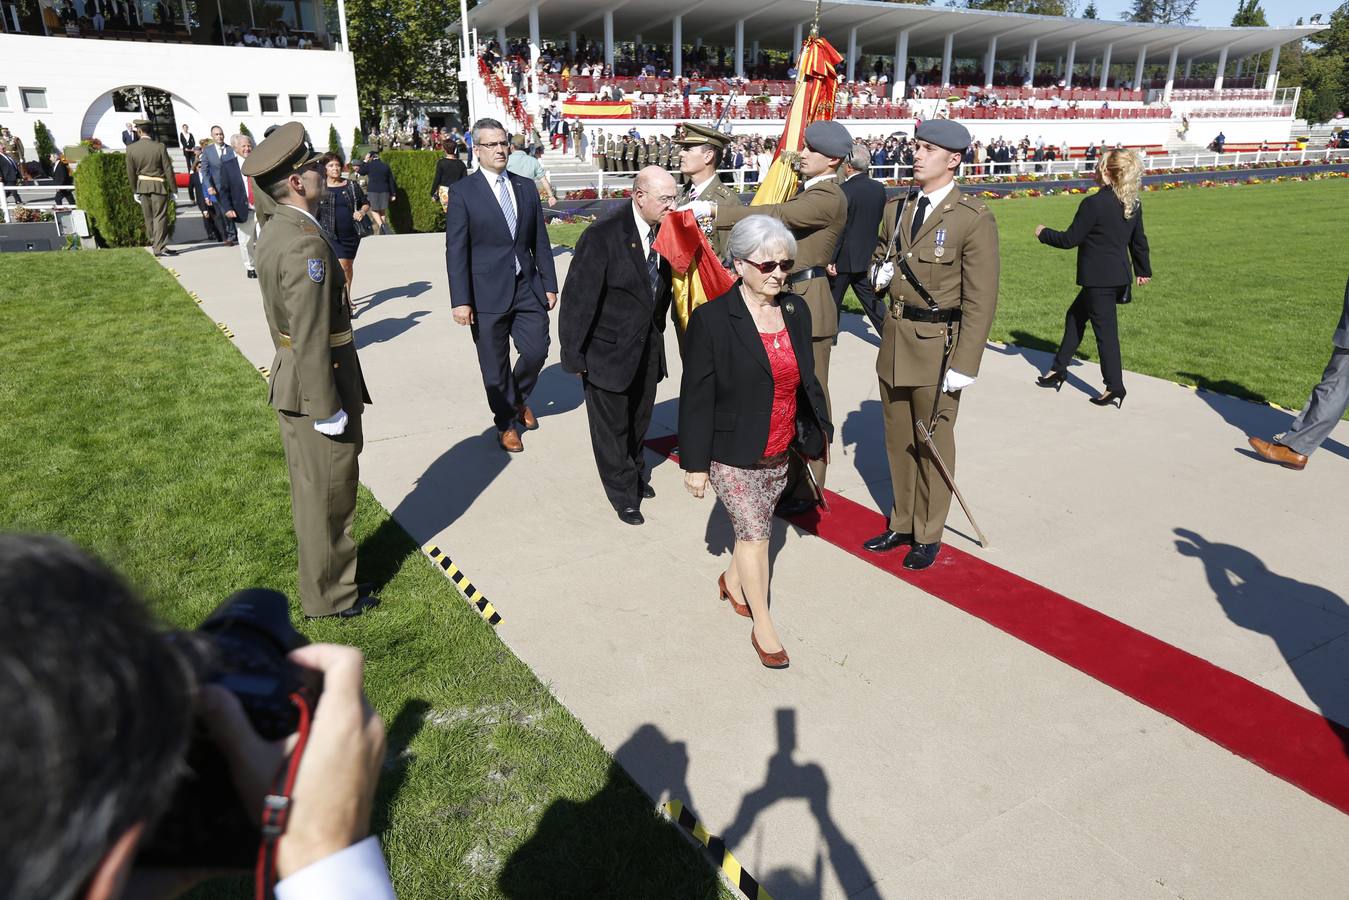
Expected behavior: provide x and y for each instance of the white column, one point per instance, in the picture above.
(852, 54)
(1138, 66)
(753, 54)
(342, 25)
(187, 20)
(1222, 64)
(678, 48)
(1068, 67)
(989, 60)
(609, 38)
(1189, 63)
(798, 38)
(1170, 75)
(1058, 69)
(1273, 77)
(946, 60)
(1030, 62)
(534, 46)
(1105, 67)
(501, 38)
(899, 90)
(571, 41)
(1092, 73)
(740, 48)
(1241, 64)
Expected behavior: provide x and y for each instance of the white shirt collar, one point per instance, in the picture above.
(816, 180)
(492, 179)
(303, 212)
(936, 197)
(643, 229)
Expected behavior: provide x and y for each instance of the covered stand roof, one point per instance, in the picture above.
(878, 24)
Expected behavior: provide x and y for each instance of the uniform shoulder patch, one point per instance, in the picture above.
(974, 203)
(316, 267)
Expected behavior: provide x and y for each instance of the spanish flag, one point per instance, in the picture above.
(696, 274)
(597, 109)
(812, 101)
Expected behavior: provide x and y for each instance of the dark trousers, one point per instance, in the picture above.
(1098, 305)
(525, 323)
(860, 282)
(618, 424)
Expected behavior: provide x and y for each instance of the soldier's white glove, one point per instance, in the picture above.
(954, 381)
(882, 274)
(334, 425)
(699, 208)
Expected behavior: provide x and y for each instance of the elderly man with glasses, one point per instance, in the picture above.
(611, 329)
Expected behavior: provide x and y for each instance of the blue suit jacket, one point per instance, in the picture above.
(213, 158)
(479, 248)
(231, 192)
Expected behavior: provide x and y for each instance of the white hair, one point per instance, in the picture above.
(754, 233)
(859, 160)
(238, 139)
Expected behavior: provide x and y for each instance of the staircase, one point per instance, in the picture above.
(567, 173)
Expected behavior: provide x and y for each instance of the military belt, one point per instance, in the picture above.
(335, 339)
(151, 178)
(805, 275)
(923, 314)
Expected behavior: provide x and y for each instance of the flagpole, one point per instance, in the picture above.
(815, 26)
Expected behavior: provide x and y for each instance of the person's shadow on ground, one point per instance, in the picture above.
(858, 325)
(1251, 419)
(864, 431)
(397, 758)
(366, 304)
(786, 779)
(1299, 617)
(1039, 353)
(557, 392)
(615, 843)
(387, 329)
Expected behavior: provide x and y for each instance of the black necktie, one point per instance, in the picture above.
(653, 263)
(918, 217)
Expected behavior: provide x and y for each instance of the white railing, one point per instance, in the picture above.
(32, 196)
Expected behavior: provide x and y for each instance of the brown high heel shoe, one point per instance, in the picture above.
(741, 608)
(775, 660)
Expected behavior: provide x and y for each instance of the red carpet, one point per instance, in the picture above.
(1281, 737)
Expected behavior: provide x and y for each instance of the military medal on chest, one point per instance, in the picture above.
(939, 237)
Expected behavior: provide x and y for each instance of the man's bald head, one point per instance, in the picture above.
(654, 194)
(654, 180)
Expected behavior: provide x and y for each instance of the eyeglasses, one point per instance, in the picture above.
(667, 200)
(496, 145)
(767, 267)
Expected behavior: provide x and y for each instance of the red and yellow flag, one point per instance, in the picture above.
(597, 109)
(696, 274)
(812, 101)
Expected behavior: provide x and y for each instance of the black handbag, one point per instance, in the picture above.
(364, 227)
(810, 441)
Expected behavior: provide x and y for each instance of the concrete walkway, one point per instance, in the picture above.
(911, 750)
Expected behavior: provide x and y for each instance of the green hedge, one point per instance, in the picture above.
(103, 192)
(413, 172)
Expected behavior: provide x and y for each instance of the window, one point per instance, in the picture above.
(238, 103)
(33, 98)
(4, 97)
(299, 105)
(327, 105)
(269, 104)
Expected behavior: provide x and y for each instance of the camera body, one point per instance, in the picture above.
(242, 646)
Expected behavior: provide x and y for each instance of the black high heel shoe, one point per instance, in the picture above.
(1109, 399)
(1052, 379)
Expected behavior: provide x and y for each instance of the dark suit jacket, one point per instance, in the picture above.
(608, 313)
(479, 248)
(448, 171)
(726, 397)
(1105, 241)
(866, 205)
(232, 192)
(9, 170)
(128, 138)
(61, 173)
(379, 177)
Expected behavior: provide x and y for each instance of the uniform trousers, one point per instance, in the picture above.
(1324, 408)
(922, 497)
(860, 282)
(323, 475)
(618, 424)
(1098, 305)
(155, 211)
(798, 485)
(525, 323)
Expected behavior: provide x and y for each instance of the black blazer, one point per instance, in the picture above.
(866, 205)
(232, 193)
(379, 177)
(608, 313)
(1105, 241)
(726, 397)
(61, 174)
(448, 171)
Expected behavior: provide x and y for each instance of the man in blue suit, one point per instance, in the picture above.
(502, 280)
(214, 157)
(235, 196)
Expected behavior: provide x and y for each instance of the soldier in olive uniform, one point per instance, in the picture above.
(816, 217)
(316, 385)
(151, 174)
(699, 156)
(950, 242)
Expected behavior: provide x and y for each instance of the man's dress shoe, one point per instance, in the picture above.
(648, 492)
(528, 419)
(509, 440)
(1279, 453)
(362, 605)
(631, 514)
(922, 555)
(887, 540)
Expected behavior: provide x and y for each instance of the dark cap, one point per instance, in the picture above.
(279, 155)
(943, 133)
(830, 138)
(140, 123)
(698, 135)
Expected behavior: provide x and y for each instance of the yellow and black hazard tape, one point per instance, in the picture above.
(728, 863)
(196, 298)
(265, 372)
(471, 593)
(225, 329)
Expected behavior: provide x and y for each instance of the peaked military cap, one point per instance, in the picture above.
(140, 123)
(279, 155)
(697, 135)
(943, 133)
(830, 138)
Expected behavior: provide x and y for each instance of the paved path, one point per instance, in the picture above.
(912, 750)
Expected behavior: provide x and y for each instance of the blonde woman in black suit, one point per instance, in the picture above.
(1107, 232)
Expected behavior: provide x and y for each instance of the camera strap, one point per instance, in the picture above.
(276, 805)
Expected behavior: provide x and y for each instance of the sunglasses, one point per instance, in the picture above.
(766, 268)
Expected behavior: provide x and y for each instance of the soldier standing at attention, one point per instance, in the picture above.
(816, 217)
(151, 173)
(316, 386)
(699, 157)
(933, 337)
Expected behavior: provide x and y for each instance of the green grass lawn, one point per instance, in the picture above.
(1249, 283)
(134, 428)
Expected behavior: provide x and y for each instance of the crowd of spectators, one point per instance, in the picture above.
(163, 21)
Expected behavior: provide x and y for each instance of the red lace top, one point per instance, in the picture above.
(786, 378)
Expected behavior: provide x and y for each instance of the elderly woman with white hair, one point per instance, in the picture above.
(749, 397)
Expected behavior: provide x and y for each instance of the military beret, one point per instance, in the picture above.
(943, 133)
(697, 135)
(279, 155)
(829, 138)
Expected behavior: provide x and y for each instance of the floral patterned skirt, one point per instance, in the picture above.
(750, 495)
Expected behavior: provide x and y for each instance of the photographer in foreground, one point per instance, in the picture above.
(98, 720)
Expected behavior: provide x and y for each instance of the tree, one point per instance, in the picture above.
(402, 52)
(334, 142)
(1090, 11)
(243, 129)
(1322, 72)
(1032, 7)
(44, 145)
(1249, 14)
(1163, 12)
